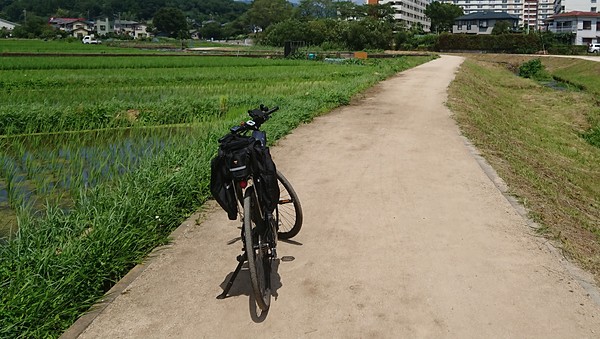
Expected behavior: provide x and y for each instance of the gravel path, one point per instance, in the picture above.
(404, 236)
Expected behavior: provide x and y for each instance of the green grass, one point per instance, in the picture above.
(71, 93)
(64, 259)
(581, 73)
(64, 46)
(108, 46)
(532, 136)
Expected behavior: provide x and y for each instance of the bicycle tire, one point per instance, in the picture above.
(259, 263)
(289, 217)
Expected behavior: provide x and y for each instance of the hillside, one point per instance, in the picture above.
(200, 10)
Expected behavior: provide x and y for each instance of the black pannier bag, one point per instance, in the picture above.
(238, 157)
(266, 172)
(221, 186)
(232, 162)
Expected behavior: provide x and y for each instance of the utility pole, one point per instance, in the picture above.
(25, 15)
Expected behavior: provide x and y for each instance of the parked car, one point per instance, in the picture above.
(594, 48)
(88, 39)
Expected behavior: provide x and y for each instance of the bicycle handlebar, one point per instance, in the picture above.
(259, 116)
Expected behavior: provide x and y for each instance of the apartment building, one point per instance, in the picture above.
(411, 12)
(564, 6)
(545, 10)
(530, 12)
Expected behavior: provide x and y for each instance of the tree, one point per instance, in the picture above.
(501, 27)
(211, 30)
(369, 33)
(347, 10)
(264, 13)
(316, 9)
(222, 11)
(33, 27)
(442, 16)
(171, 21)
(383, 12)
(290, 29)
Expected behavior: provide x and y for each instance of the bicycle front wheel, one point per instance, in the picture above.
(289, 211)
(257, 253)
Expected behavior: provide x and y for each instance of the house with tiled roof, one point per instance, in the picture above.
(482, 22)
(77, 27)
(585, 26)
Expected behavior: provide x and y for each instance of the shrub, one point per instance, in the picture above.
(534, 69)
(530, 68)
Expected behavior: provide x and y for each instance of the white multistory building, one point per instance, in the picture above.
(410, 12)
(531, 13)
(564, 6)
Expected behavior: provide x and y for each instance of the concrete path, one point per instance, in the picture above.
(404, 236)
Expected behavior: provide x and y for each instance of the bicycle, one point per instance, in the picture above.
(269, 210)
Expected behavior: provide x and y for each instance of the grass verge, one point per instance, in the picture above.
(532, 135)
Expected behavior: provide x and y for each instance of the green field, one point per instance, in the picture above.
(102, 157)
(66, 46)
(74, 46)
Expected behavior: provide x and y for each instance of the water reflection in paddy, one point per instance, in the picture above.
(36, 170)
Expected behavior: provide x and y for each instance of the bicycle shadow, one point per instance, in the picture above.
(291, 242)
(243, 286)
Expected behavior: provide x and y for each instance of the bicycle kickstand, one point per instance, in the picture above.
(241, 260)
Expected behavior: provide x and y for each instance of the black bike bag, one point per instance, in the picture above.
(232, 163)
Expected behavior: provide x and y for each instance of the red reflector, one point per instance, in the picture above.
(243, 184)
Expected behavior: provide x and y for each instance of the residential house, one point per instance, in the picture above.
(584, 25)
(482, 22)
(141, 31)
(531, 12)
(80, 32)
(132, 28)
(9, 26)
(81, 28)
(70, 24)
(103, 27)
(125, 27)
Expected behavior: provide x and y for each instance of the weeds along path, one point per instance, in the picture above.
(404, 236)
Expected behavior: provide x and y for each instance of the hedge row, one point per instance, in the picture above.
(502, 43)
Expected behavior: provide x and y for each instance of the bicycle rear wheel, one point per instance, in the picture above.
(257, 253)
(289, 211)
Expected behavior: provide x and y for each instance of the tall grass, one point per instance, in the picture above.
(62, 261)
(532, 135)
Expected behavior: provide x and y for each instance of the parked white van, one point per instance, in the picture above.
(594, 48)
(88, 39)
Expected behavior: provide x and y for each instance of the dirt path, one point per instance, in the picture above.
(404, 236)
